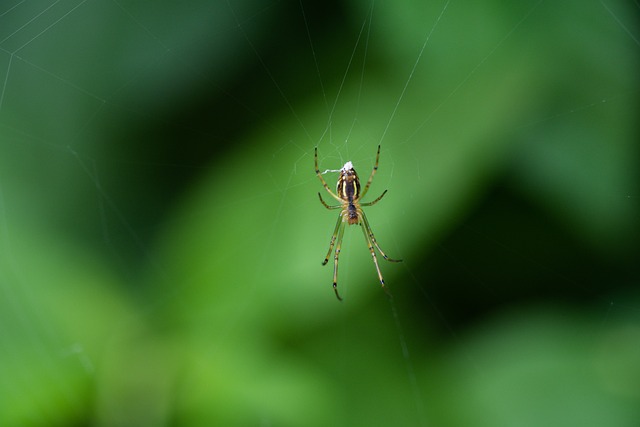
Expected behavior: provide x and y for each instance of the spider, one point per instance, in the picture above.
(351, 213)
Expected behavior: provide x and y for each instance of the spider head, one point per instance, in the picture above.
(348, 167)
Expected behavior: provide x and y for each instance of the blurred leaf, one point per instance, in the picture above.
(55, 324)
(538, 367)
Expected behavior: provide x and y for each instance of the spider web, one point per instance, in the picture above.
(161, 237)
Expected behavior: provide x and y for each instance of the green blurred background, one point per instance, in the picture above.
(161, 237)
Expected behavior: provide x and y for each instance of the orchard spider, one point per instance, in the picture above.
(351, 213)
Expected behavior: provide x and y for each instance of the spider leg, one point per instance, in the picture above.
(334, 236)
(326, 205)
(337, 254)
(324, 183)
(373, 172)
(375, 201)
(371, 238)
(367, 237)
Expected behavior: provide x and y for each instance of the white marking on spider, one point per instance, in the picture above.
(347, 166)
